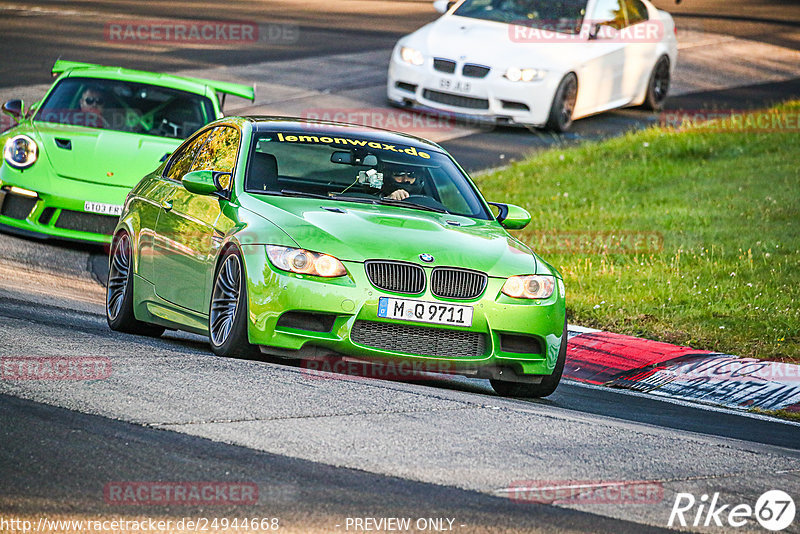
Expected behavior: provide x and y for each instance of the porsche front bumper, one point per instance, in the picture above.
(31, 206)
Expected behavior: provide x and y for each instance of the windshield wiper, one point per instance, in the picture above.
(386, 201)
(406, 204)
(293, 193)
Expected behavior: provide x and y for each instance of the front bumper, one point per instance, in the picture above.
(341, 320)
(492, 99)
(48, 211)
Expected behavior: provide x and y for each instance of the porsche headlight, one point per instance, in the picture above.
(516, 74)
(20, 151)
(410, 55)
(298, 260)
(529, 287)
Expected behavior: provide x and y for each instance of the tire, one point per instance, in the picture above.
(544, 388)
(227, 311)
(119, 291)
(658, 86)
(560, 118)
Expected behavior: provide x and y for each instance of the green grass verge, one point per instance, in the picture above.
(782, 414)
(702, 230)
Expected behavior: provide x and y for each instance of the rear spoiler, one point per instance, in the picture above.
(229, 88)
(235, 89)
(62, 66)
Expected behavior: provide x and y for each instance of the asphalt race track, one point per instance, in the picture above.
(168, 404)
(324, 448)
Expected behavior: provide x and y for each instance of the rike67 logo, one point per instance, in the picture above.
(774, 510)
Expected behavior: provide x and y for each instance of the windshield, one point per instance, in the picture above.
(358, 170)
(126, 107)
(562, 16)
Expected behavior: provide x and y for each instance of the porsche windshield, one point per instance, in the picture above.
(347, 168)
(565, 16)
(126, 107)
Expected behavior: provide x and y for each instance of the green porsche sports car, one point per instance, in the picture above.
(71, 159)
(319, 240)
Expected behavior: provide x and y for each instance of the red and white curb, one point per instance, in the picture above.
(615, 360)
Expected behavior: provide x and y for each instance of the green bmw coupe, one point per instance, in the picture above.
(71, 159)
(316, 240)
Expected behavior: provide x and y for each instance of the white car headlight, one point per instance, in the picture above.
(515, 74)
(410, 55)
(529, 287)
(20, 151)
(298, 260)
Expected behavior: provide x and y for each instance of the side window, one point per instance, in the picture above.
(181, 162)
(637, 12)
(609, 13)
(219, 152)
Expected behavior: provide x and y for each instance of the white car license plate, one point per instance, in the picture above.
(424, 312)
(455, 86)
(103, 209)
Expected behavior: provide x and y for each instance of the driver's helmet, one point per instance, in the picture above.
(396, 176)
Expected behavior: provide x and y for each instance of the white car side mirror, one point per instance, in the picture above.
(442, 6)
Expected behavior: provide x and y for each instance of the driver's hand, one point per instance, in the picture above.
(400, 194)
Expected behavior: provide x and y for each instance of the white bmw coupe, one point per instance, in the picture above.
(535, 63)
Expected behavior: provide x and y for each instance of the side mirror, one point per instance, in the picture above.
(442, 6)
(14, 108)
(511, 217)
(594, 31)
(201, 182)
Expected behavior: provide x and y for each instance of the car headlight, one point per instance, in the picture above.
(410, 55)
(529, 286)
(516, 74)
(20, 151)
(298, 260)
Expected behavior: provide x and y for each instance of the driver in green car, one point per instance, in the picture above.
(92, 106)
(402, 185)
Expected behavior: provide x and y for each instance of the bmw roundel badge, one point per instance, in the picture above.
(427, 258)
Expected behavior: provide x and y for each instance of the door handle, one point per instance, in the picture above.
(166, 204)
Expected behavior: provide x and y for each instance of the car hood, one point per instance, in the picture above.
(359, 232)
(490, 43)
(101, 156)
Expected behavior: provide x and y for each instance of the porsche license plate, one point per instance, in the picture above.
(103, 209)
(424, 312)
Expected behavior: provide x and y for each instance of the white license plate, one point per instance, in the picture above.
(455, 86)
(424, 312)
(103, 209)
